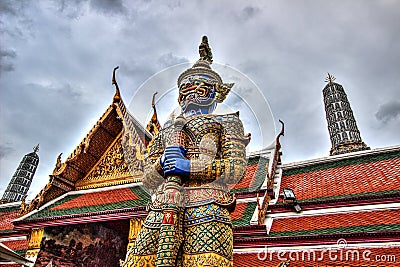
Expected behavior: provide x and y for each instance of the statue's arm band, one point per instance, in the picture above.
(153, 175)
(229, 169)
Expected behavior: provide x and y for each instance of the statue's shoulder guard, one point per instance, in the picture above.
(156, 145)
(233, 127)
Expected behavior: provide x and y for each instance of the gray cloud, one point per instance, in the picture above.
(249, 12)
(66, 50)
(6, 56)
(6, 66)
(14, 19)
(109, 7)
(73, 9)
(9, 7)
(5, 149)
(170, 59)
(388, 111)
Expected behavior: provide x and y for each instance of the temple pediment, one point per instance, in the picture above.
(112, 169)
(99, 160)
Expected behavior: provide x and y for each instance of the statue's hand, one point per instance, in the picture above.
(179, 167)
(172, 152)
(174, 162)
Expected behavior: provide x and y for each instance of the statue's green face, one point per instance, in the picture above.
(197, 95)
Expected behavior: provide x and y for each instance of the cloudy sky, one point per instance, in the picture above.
(56, 60)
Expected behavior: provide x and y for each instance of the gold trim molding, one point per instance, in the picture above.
(111, 169)
(136, 261)
(135, 226)
(206, 259)
(35, 238)
(32, 253)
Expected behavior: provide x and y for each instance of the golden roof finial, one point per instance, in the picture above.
(36, 148)
(330, 78)
(58, 165)
(154, 125)
(117, 95)
(152, 100)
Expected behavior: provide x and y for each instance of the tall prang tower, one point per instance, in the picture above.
(19, 185)
(342, 127)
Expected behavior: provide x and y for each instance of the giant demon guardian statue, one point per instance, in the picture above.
(190, 164)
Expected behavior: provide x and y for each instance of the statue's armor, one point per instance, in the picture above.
(216, 149)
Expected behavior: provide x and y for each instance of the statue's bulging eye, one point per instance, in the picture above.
(201, 92)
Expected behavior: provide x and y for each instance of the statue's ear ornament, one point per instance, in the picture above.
(222, 90)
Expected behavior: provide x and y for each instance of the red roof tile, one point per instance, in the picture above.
(375, 176)
(243, 213)
(252, 260)
(98, 198)
(339, 220)
(238, 213)
(16, 244)
(339, 258)
(249, 177)
(6, 218)
(86, 202)
(255, 175)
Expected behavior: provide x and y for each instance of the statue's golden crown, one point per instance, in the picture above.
(203, 68)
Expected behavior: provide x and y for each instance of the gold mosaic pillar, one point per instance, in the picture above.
(35, 239)
(134, 229)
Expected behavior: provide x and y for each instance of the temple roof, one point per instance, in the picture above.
(243, 213)
(102, 145)
(8, 213)
(117, 199)
(91, 205)
(338, 223)
(9, 238)
(8, 257)
(355, 174)
(18, 246)
(256, 171)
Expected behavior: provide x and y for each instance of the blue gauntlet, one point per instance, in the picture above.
(174, 162)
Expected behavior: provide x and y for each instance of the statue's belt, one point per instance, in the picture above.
(194, 197)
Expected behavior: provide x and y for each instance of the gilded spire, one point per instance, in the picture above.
(36, 148)
(330, 78)
(117, 95)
